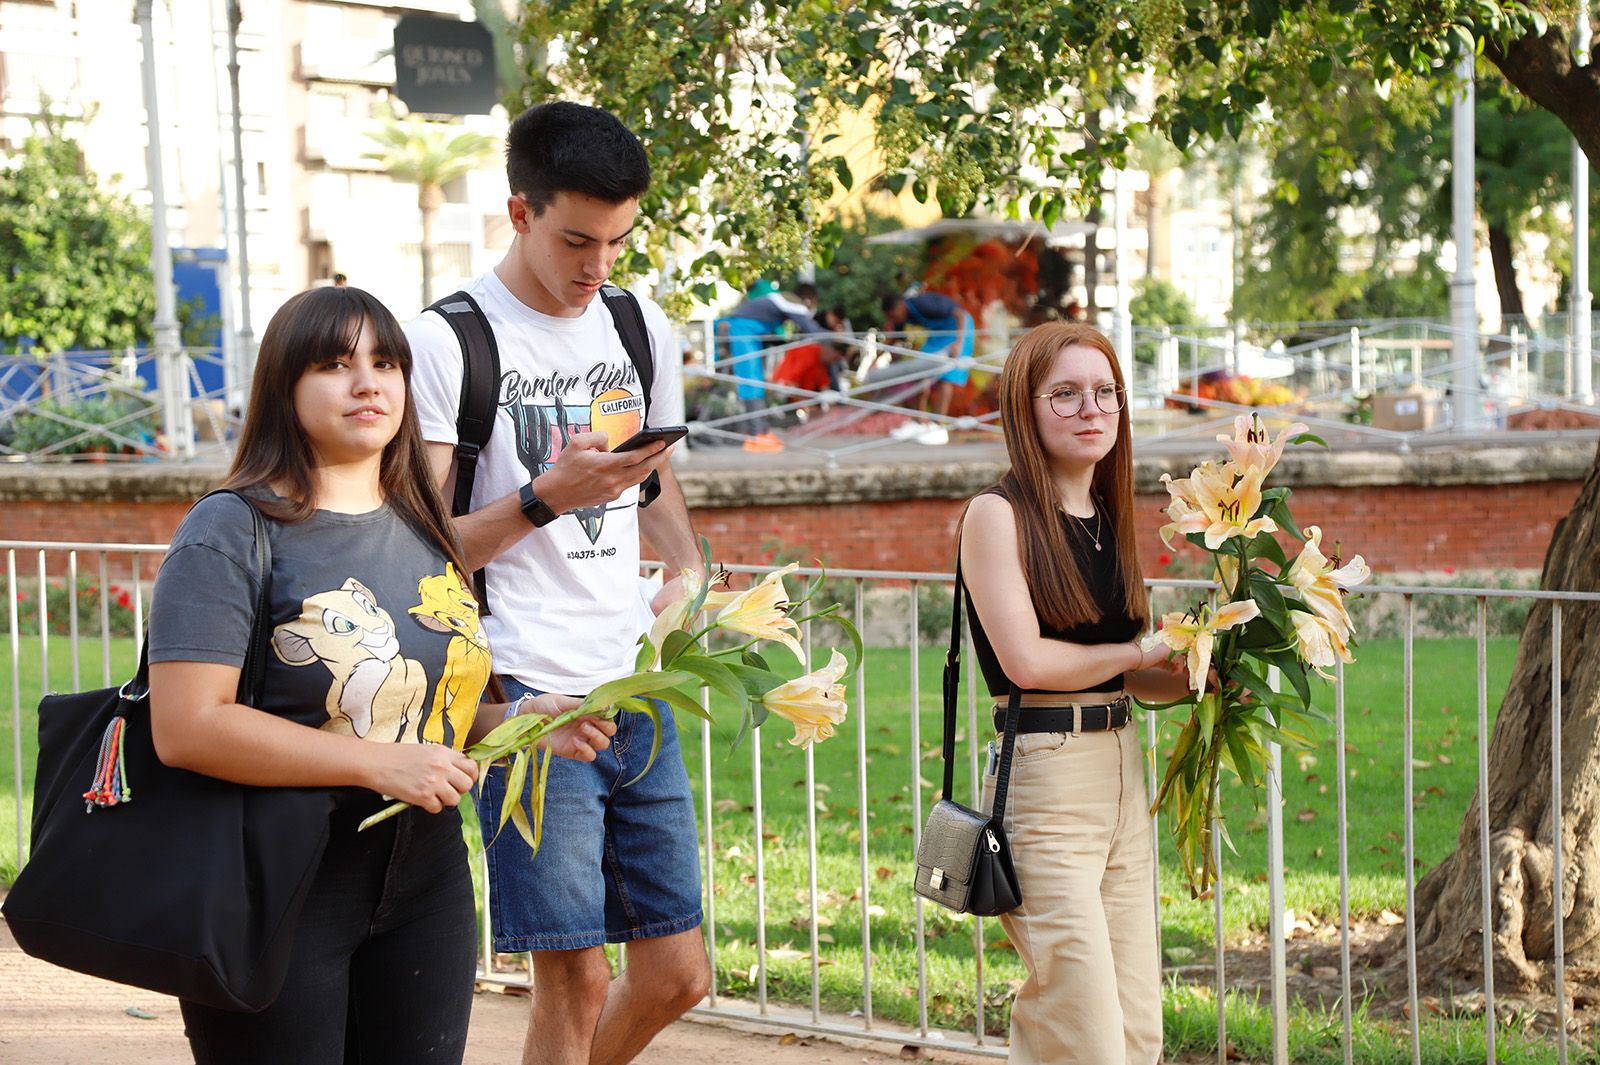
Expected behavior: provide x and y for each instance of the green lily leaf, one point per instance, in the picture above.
(615, 691)
(648, 709)
(516, 777)
(673, 645)
(679, 699)
(1266, 546)
(1268, 595)
(744, 728)
(719, 677)
(756, 682)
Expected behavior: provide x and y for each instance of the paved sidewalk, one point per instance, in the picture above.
(50, 1016)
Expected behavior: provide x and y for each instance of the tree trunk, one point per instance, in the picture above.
(1520, 864)
(429, 197)
(1505, 272)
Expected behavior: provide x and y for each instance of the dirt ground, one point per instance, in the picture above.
(50, 1016)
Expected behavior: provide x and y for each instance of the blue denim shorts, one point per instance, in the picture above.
(615, 863)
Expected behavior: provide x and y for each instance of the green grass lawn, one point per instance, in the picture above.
(1445, 775)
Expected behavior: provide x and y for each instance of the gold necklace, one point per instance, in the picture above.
(1095, 536)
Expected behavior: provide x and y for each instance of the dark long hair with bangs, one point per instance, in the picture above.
(1058, 585)
(310, 329)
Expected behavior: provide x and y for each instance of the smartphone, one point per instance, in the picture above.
(669, 434)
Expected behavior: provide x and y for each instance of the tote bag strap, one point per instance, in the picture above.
(252, 677)
(952, 692)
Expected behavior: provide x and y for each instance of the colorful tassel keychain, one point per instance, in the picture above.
(110, 785)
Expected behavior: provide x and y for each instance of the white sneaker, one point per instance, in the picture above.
(908, 430)
(933, 435)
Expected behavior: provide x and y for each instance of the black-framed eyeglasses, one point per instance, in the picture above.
(1067, 401)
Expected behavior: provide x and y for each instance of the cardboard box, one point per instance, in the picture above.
(1404, 411)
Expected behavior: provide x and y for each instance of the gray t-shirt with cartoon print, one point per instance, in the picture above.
(374, 634)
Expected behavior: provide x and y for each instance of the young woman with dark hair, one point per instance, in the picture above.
(374, 684)
(1052, 569)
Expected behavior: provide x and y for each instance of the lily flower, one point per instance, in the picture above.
(1195, 633)
(676, 613)
(1184, 504)
(1319, 642)
(1321, 583)
(759, 611)
(1217, 501)
(1252, 445)
(813, 703)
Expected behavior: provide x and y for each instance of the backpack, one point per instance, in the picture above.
(480, 381)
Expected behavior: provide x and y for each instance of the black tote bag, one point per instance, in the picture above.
(156, 876)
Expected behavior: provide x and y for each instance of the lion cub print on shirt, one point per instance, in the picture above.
(375, 689)
(448, 606)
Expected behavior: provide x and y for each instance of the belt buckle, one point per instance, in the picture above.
(1111, 711)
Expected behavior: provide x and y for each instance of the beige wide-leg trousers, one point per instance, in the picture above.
(1078, 820)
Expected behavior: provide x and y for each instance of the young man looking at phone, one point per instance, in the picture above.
(555, 517)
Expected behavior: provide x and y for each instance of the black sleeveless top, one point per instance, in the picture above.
(1105, 585)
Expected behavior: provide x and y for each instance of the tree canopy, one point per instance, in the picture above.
(1015, 105)
(74, 256)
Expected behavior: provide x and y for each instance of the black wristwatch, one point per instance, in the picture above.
(535, 509)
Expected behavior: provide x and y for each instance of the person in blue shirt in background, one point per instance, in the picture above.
(949, 333)
(749, 330)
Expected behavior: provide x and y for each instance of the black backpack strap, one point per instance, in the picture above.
(480, 382)
(629, 321)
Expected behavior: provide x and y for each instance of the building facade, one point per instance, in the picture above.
(316, 76)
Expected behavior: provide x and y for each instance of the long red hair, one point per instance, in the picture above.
(1058, 585)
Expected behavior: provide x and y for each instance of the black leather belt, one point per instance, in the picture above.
(1086, 717)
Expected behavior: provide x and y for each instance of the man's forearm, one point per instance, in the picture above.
(492, 530)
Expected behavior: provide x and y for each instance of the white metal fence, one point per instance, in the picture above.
(88, 613)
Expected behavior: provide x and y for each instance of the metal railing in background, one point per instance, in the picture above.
(124, 404)
(132, 404)
(1330, 372)
(31, 566)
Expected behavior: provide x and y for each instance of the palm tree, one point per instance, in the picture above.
(429, 154)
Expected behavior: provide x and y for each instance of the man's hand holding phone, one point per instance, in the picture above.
(587, 474)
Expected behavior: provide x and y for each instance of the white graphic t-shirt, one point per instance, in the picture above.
(565, 614)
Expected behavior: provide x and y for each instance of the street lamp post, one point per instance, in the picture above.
(170, 378)
(1582, 300)
(247, 338)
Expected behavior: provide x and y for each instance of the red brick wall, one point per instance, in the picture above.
(1406, 527)
(1394, 528)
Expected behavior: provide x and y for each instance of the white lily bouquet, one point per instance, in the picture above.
(673, 667)
(1272, 612)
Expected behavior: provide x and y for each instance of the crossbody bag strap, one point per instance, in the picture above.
(1002, 776)
(952, 686)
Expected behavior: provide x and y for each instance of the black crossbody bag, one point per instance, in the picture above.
(156, 876)
(964, 859)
